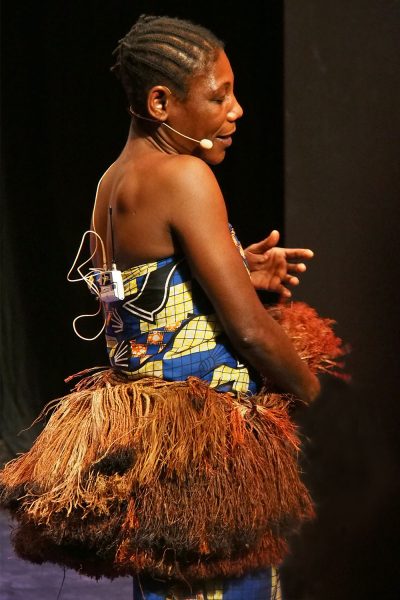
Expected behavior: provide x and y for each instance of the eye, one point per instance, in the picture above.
(220, 99)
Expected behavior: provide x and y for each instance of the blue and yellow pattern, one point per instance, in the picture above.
(166, 327)
(261, 585)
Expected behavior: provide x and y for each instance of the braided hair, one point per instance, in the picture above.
(161, 50)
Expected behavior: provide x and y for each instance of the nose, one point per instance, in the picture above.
(236, 111)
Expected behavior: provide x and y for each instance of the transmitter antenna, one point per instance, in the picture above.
(112, 286)
(113, 261)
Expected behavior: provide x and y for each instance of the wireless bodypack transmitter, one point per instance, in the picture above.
(111, 284)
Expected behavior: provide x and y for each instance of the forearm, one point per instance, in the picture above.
(271, 353)
(218, 267)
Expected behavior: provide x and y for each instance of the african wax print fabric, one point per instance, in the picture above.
(166, 327)
(260, 585)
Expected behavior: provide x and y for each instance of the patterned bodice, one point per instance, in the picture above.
(166, 327)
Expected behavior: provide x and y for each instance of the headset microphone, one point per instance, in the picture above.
(204, 143)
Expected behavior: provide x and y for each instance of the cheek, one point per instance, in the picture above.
(218, 118)
(211, 118)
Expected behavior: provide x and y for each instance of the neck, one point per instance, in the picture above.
(153, 135)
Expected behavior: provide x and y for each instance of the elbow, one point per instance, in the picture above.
(248, 339)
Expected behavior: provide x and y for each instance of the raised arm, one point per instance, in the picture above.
(198, 219)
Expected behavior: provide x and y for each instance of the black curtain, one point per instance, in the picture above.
(342, 184)
(64, 120)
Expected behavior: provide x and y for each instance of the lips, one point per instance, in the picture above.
(226, 139)
(228, 134)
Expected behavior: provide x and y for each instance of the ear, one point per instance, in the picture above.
(157, 102)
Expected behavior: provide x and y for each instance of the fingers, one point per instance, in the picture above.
(296, 267)
(284, 292)
(272, 239)
(266, 244)
(304, 253)
(290, 280)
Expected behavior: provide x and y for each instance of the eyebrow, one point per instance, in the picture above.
(222, 87)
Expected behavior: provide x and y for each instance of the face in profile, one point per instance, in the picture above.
(210, 110)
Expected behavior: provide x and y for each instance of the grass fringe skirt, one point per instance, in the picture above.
(170, 480)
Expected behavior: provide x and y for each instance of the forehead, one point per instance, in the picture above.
(216, 75)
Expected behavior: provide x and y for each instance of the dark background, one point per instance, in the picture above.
(64, 120)
(342, 184)
(316, 156)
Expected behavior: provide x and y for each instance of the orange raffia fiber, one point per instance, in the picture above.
(313, 337)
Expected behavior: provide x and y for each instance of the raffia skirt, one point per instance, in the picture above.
(171, 481)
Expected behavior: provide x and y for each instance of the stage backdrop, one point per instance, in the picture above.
(342, 183)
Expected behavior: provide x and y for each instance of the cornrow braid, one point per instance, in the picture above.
(161, 50)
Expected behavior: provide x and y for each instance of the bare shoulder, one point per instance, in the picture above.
(184, 164)
(187, 174)
(187, 182)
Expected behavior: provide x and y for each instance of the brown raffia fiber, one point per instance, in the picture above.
(151, 473)
(166, 479)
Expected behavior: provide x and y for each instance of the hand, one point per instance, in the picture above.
(269, 265)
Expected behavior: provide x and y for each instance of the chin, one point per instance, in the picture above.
(212, 158)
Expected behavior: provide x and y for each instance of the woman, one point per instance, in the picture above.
(166, 201)
(174, 466)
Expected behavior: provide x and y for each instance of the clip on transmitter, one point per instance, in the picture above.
(111, 286)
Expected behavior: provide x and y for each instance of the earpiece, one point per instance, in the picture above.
(205, 143)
